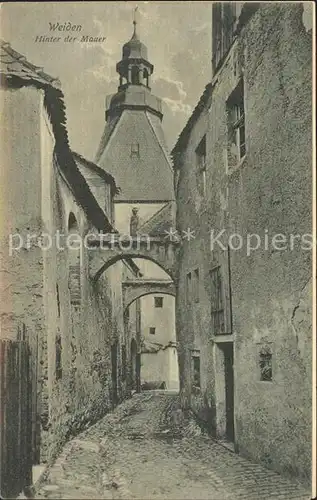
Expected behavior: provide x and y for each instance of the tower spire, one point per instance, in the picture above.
(134, 67)
(134, 36)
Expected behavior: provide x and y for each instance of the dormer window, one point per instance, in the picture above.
(135, 150)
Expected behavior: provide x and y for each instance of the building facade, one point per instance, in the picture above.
(52, 198)
(159, 364)
(243, 175)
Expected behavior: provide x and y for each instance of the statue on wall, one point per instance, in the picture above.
(134, 222)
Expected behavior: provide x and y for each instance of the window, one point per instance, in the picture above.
(236, 126)
(189, 288)
(135, 150)
(196, 285)
(201, 166)
(158, 302)
(265, 364)
(217, 306)
(152, 330)
(224, 16)
(196, 370)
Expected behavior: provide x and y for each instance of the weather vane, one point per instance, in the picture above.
(134, 15)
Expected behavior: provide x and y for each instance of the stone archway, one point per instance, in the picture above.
(137, 288)
(106, 250)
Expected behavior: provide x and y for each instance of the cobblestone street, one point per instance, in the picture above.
(146, 449)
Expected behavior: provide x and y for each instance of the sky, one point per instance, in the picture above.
(177, 35)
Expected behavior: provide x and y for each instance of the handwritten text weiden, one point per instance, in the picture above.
(67, 27)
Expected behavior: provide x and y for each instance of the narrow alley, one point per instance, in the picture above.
(156, 325)
(148, 449)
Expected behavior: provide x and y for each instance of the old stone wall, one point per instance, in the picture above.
(70, 322)
(270, 288)
(81, 335)
(193, 316)
(266, 193)
(21, 283)
(21, 262)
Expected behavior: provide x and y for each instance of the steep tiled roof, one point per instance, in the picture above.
(17, 72)
(102, 173)
(155, 123)
(145, 176)
(106, 136)
(163, 220)
(14, 64)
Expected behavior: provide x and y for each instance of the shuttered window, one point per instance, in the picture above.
(223, 25)
(220, 295)
(236, 148)
(217, 302)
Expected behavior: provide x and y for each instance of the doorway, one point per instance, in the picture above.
(228, 368)
(114, 372)
(133, 364)
(138, 373)
(135, 367)
(225, 391)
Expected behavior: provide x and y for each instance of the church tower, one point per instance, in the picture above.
(132, 147)
(133, 150)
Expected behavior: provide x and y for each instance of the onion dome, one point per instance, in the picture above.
(134, 48)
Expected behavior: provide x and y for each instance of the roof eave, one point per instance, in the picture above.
(108, 178)
(200, 107)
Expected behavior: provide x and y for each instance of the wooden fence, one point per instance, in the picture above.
(16, 418)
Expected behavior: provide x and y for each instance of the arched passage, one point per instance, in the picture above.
(139, 295)
(104, 250)
(103, 265)
(138, 288)
(107, 250)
